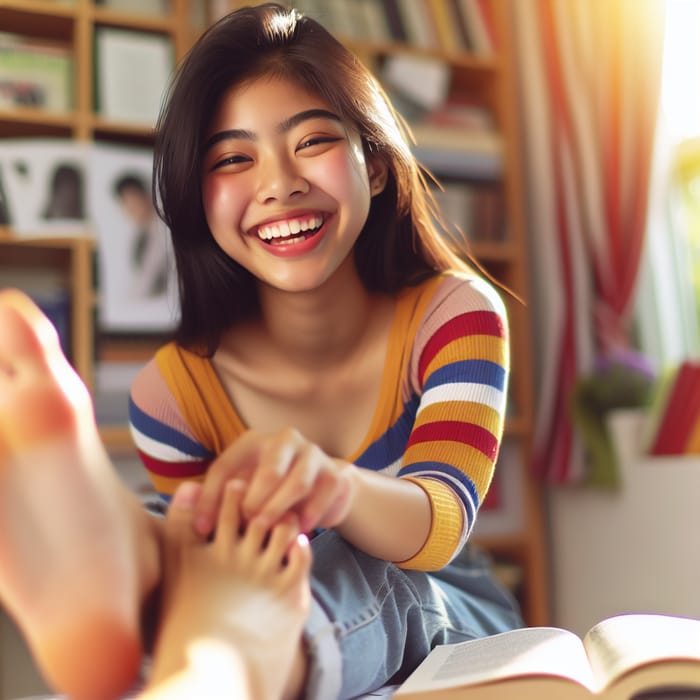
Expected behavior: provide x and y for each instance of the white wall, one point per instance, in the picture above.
(635, 550)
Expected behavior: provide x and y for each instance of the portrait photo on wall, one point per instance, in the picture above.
(45, 186)
(4, 206)
(135, 263)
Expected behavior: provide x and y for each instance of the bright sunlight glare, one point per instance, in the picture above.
(680, 88)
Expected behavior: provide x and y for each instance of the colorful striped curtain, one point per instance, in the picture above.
(589, 73)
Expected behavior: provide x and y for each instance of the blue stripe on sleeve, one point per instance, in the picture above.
(477, 371)
(162, 433)
(390, 447)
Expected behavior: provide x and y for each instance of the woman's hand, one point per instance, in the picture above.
(284, 472)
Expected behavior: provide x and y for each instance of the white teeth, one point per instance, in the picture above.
(284, 229)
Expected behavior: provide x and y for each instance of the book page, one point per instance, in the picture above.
(625, 642)
(534, 651)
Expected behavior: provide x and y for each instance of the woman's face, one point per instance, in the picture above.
(285, 185)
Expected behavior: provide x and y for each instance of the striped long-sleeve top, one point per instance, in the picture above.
(438, 422)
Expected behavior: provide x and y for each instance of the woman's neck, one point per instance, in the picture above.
(321, 326)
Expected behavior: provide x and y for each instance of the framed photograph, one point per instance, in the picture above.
(4, 205)
(45, 187)
(133, 71)
(135, 263)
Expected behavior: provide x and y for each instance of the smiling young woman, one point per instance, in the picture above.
(333, 353)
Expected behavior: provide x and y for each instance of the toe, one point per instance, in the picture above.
(229, 523)
(299, 559)
(281, 538)
(27, 332)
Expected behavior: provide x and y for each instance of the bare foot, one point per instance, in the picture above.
(233, 608)
(71, 572)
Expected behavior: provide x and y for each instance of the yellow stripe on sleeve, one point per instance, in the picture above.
(445, 528)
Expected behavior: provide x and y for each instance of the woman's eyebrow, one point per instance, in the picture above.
(283, 127)
(307, 114)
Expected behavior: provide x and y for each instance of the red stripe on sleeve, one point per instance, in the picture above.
(178, 470)
(457, 431)
(472, 323)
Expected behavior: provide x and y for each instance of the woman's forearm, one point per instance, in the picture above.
(389, 518)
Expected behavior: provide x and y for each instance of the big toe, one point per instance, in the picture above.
(26, 331)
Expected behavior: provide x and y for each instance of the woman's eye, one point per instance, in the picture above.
(317, 140)
(230, 160)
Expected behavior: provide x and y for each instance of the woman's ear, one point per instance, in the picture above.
(378, 172)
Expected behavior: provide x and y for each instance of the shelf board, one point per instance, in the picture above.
(103, 127)
(38, 18)
(107, 17)
(8, 237)
(20, 121)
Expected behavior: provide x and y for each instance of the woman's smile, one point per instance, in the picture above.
(293, 237)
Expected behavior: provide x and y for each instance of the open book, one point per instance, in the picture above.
(641, 656)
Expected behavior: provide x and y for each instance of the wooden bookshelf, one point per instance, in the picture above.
(488, 78)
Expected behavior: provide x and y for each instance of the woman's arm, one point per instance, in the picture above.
(460, 380)
(389, 519)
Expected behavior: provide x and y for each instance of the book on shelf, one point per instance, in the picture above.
(35, 73)
(418, 25)
(472, 210)
(457, 138)
(132, 73)
(395, 20)
(479, 25)
(623, 657)
(452, 26)
(421, 81)
(450, 151)
(446, 23)
(375, 25)
(676, 411)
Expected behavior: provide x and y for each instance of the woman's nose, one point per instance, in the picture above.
(279, 181)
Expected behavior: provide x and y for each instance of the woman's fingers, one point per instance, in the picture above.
(327, 505)
(278, 460)
(299, 482)
(238, 461)
(282, 472)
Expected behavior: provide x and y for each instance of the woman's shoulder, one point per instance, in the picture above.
(457, 293)
(152, 382)
(147, 380)
(460, 304)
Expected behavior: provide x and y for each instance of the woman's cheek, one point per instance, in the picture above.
(220, 200)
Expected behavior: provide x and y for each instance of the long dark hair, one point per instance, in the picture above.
(399, 244)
